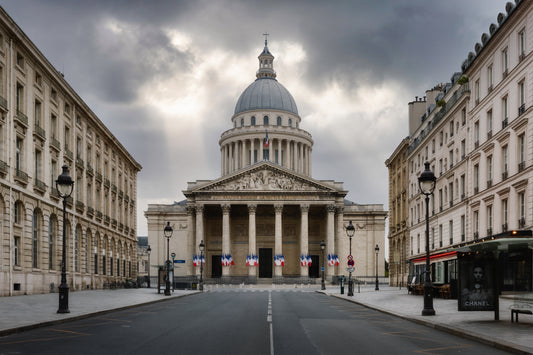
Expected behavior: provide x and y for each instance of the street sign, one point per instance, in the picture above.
(179, 261)
(351, 263)
(350, 269)
(350, 257)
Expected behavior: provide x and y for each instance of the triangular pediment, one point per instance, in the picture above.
(265, 177)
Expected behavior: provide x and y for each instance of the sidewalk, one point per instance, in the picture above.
(20, 313)
(481, 326)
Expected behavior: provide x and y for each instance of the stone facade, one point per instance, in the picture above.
(266, 203)
(44, 124)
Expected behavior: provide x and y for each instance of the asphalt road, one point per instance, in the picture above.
(242, 322)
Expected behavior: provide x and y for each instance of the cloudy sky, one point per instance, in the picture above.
(165, 76)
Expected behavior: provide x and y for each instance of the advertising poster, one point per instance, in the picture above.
(477, 282)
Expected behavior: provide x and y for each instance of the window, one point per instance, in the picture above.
(38, 79)
(17, 213)
(20, 98)
(504, 161)
(37, 111)
(450, 195)
(463, 187)
(476, 133)
(432, 238)
(432, 147)
(451, 231)
(522, 44)
(463, 116)
(242, 122)
(16, 251)
(451, 129)
(463, 228)
(489, 124)
(67, 138)
(418, 243)
(20, 60)
(505, 215)
(489, 220)
(489, 78)
(253, 121)
(489, 171)
(451, 158)
(476, 179)
(51, 241)
(522, 150)
(35, 240)
(279, 121)
(77, 249)
(96, 254)
(265, 121)
(463, 148)
(53, 94)
(38, 164)
(290, 122)
(18, 154)
(440, 235)
(53, 126)
(505, 62)
(476, 91)
(521, 98)
(476, 224)
(522, 208)
(504, 112)
(441, 200)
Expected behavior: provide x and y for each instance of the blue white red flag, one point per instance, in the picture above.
(248, 258)
(267, 142)
(337, 261)
(309, 261)
(195, 260)
(255, 260)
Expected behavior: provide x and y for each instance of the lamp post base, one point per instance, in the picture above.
(428, 300)
(63, 299)
(350, 288)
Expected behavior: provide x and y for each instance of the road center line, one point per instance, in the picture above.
(269, 321)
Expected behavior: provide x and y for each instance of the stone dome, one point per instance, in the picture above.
(266, 93)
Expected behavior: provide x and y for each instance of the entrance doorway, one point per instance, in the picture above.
(265, 262)
(216, 266)
(314, 268)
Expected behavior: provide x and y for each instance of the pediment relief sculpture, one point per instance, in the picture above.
(264, 180)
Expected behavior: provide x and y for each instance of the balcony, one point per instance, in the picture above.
(114, 188)
(521, 223)
(521, 109)
(22, 118)
(54, 193)
(98, 215)
(489, 184)
(80, 163)
(107, 183)
(90, 170)
(504, 227)
(114, 222)
(505, 122)
(121, 194)
(21, 176)
(107, 219)
(3, 167)
(39, 132)
(90, 211)
(40, 186)
(98, 177)
(504, 175)
(80, 206)
(54, 143)
(521, 166)
(69, 154)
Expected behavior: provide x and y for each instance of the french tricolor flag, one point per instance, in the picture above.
(267, 142)
(194, 261)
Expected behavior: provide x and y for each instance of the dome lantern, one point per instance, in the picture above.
(266, 63)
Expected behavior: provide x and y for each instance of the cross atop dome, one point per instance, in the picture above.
(266, 62)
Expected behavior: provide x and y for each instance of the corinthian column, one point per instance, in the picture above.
(191, 240)
(278, 249)
(252, 271)
(226, 247)
(304, 237)
(199, 228)
(330, 270)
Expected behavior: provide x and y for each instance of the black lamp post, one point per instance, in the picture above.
(426, 182)
(201, 246)
(350, 231)
(376, 249)
(64, 186)
(168, 234)
(149, 250)
(322, 248)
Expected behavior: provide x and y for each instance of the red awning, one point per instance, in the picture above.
(434, 257)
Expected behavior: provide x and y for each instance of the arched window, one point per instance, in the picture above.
(253, 121)
(265, 121)
(51, 240)
(290, 122)
(242, 122)
(96, 253)
(87, 248)
(279, 121)
(35, 240)
(104, 248)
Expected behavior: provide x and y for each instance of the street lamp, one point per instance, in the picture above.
(149, 250)
(426, 182)
(168, 234)
(201, 246)
(322, 247)
(64, 186)
(350, 231)
(376, 249)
